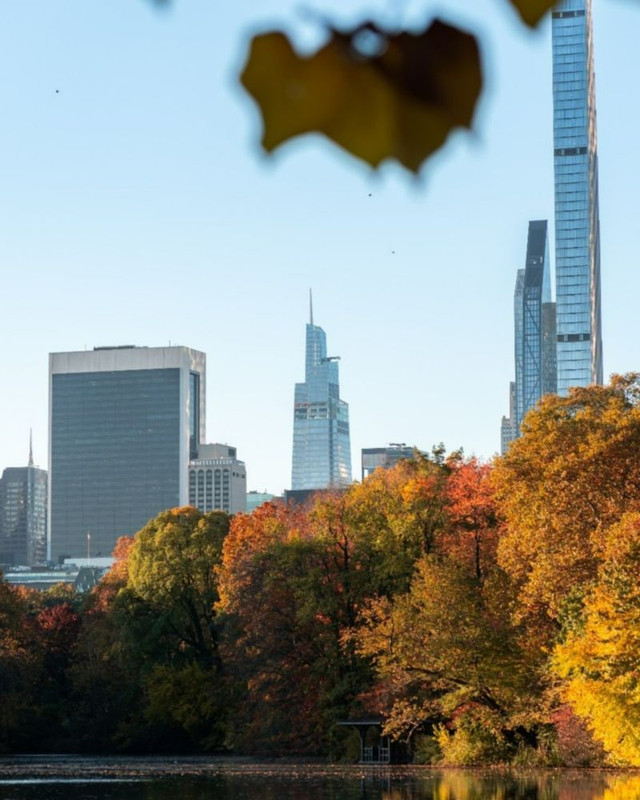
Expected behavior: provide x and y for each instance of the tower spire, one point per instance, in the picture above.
(30, 447)
(310, 307)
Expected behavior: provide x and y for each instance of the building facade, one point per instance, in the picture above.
(124, 423)
(577, 224)
(387, 457)
(508, 429)
(217, 480)
(321, 440)
(518, 328)
(23, 516)
(535, 347)
(255, 499)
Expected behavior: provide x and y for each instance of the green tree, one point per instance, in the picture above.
(172, 569)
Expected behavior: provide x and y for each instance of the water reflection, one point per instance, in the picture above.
(290, 782)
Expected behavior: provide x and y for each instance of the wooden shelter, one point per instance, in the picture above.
(375, 747)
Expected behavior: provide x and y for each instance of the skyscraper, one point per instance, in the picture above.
(23, 515)
(579, 338)
(534, 328)
(124, 422)
(321, 444)
(517, 344)
(535, 347)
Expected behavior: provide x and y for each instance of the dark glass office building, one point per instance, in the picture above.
(535, 347)
(124, 423)
(579, 337)
(23, 516)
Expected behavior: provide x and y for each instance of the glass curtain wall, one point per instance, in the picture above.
(579, 338)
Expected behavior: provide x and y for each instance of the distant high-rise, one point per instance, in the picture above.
(255, 499)
(23, 515)
(321, 444)
(508, 430)
(124, 422)
(534, 328)
(384, 457)
(579, 338)
(217, 480)
(517, 343)
(535, 347)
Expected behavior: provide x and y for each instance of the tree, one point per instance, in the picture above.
(600, 658)
(19, 668)
(171, 567)
(451, 657)
(473, 516)
(573, 473)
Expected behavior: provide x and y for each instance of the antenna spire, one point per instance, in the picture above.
(30, 447)
(310, 307)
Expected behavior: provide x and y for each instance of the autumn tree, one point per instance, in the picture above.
(19, 668)
(454, 665)
(472, 533)
(599, 661)
(572, 474)
(294, 582)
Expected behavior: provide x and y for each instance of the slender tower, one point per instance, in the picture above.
(536, 345)
(579, 338)
(321, 444)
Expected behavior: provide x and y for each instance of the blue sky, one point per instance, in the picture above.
(135, 208)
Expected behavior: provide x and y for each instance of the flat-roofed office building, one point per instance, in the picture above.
(124, 423)
(384, 457)
(217, 480)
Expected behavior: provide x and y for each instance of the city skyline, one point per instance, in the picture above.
(138, 185)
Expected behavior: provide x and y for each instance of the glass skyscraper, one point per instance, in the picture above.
(517, 339)
(23, 515)
(124, 423)
(321, 443)
(534, 323)
(535, 347)
(579, 338)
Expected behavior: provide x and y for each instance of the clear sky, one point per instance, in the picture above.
(135, 208)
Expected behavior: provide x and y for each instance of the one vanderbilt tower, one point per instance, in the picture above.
(579, 349)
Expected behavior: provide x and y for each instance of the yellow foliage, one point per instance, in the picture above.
(571, 475)
(600, 661)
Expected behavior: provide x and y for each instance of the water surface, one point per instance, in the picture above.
(69, 778)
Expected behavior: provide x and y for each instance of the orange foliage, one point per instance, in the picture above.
(472, 536)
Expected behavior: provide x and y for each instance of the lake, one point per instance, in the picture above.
(166, 778)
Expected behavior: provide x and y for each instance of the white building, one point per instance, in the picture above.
(217, 480)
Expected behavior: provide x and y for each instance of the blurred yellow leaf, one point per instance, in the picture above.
(532, 11)
(375, 94)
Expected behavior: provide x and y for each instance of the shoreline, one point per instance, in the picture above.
(118, 767)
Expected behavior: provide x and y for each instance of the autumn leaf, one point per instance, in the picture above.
(375, 94)
(532, 11)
